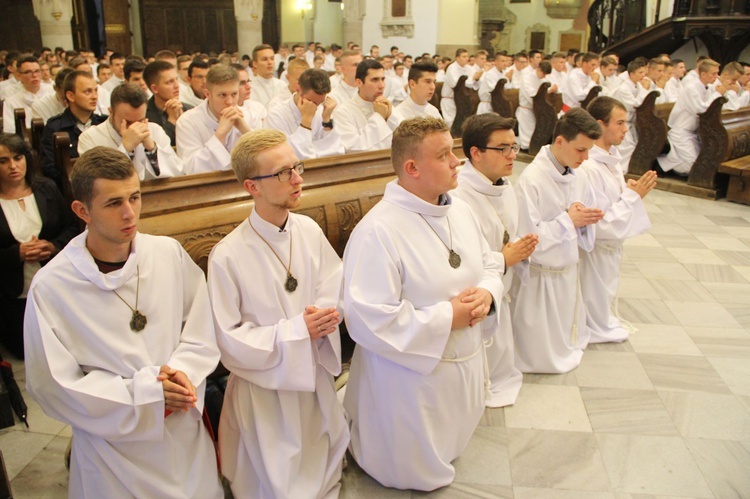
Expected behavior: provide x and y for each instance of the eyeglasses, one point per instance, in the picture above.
(31, 72)
(284, 175)
(505, 150)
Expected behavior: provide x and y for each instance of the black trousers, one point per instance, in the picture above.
(11, 324)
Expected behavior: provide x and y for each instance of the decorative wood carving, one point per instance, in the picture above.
(349, 214)
(546, 119)
(652, 136)
(593, 94)
(504, 102)
(199, 246)
(467, 102)
(714, 141)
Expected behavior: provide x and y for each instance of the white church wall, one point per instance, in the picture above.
(292, 23)
(425, 16)
(690, 51)
(532, 13)
(328, 24)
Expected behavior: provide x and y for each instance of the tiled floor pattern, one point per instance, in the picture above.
(666, 414)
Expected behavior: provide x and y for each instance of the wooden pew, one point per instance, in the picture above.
(199, 210)
(467, 102)
(19, 116)
(437, 96)
(504, 102)
(546, 119)
(37, 127)
(63, 162)
(593, 94)
(652, 134)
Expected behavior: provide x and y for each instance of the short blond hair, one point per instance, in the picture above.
(408, 138)
(221, 73)
(297, 66)
(733, 69)
(706, 64)
(246, 151)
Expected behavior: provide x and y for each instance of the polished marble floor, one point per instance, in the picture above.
(665, 414)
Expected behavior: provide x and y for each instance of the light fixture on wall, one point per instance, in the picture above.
(56, 10)
(304, 7)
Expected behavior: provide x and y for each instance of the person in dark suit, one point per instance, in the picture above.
(35, 224)
(80, 92)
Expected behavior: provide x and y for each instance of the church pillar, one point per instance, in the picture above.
(249, 14)
(456, 29)
(354, 12)
(54, 22)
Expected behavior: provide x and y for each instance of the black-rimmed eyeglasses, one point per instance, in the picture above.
(504, 150)
(284, 175)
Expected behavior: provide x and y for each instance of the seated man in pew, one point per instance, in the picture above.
(631, 93)
(196, 93)
(117, 63)
(31, 91)
(79, 89)
(525, 110)
(134, 68)
(207, 133)
(455, 71)
(490, 80)
(363, 120)
(422, 80)
(53, 103)
(128, 131)
(265, 85)
(294, 69)
(580, 81)
(558, 76)
(694, 98)
(730, 78)
(347, 86)
(514, 74)
(245, 91)
(654, 75)
(608, 75)
(306, 120)
(164, 107)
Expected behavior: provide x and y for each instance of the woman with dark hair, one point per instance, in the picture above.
(36, 223)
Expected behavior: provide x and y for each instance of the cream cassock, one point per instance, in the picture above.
(525, 109)
(624, 216)
(87, 368)
(498, 211)
(265, 89)
(360, 127)
(694, 97)
(282, 431)
(415, 392)
(452, 74)
(307, 144)
(577, 86)
(197, 143)
(549, 319)
(631, 95)
(104, 134)
(410, 109)
(488, 84)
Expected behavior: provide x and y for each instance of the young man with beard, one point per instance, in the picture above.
(275, 285)
(484, 183)
(625, 216)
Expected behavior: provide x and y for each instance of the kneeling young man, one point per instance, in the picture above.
(419, 278)
(275, 284)
(484, 183)
(119, 341)
(625, 216)
(549, 319)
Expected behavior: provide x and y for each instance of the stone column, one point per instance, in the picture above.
(54, 21)
(249, 14)
(354, 12)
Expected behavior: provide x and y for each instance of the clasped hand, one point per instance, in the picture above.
(470, 307)
(179, 393)
(320, 322)
(36, 250)
(582, 216)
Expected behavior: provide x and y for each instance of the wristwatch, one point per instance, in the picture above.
(328, 124)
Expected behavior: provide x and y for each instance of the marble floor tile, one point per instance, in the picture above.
(678, 240)
(734, 257)
(535, 493)
(743, 270)
(705, 230)
(645, 239)
(494, 417)
(738, 232)
(682, 373)
(639, 412)
(38, 421)
(628, 269)
(45, 477)
(734, 372)
(545, 407)
(681, 290)
(485, 460)
(730, 221)
(721, 342)
(694, 255)
(724, 465)
(20, 447)
(654, 256)
(646, 311)
(668, 340)
(715, 273)
(663, 269)
(726, 243)
(707, 415)
(635, 287)
(692, 313)
(357, 484)
(740, 311)
(612, 370)
(66, 432)
(728, 292)
(556, 460)
(667, 227)
(624, 347)
(567, 379)
(639, 464)
(458, 490)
